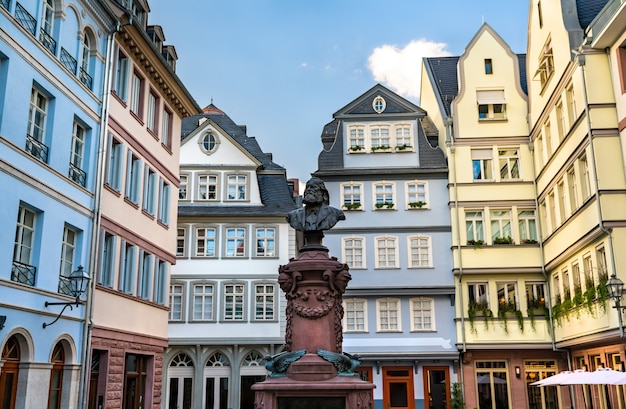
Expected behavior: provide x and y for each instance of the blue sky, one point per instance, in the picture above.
(283, 67)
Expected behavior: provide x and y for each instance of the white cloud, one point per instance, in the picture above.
(400, 68)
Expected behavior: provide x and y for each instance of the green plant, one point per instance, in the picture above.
(419, 204)
(474, 308)
(503, 320)
(355, 148)
(529, 241)
(503, 240)
(352, 206)
(402, 147)
(476, 243)
(388, 205)
(380, 148)
(457, 401)
(520, 320)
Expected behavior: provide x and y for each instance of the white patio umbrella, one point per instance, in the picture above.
(560, 378)
(601, 376)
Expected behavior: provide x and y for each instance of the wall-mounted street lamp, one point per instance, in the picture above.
(615, 286)
(79, 280)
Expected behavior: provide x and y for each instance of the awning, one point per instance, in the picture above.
(486, 97)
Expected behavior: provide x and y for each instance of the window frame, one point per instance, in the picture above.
(356, 138)
(389, 327)
(199, 184)
(350, 199)
(108, 259)
(384, 205)
(394, 252)
(273, 303)
(237, 186)
(482, 165)
(69, 250)
(137, 90)
(26, 243)
(183, 186)
(414, 317)
(225, 295)
(236, 239)
(209, 142)
(166, 128)
(401, 128)
(164, 202)
(429, 252)
(204, 296)
(273, 239)
(476, 297)
(152, 116)
(477, 226)
(216, 246)
(378, 134)
(171, 296)
(182, 239)
(413, 199)
(530, 223)
(346, 250)
(134, 176)
(510, 162)
(145, 275)
(351, 314)
(115, 163)
(501, 224)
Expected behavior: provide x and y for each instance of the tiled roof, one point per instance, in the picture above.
(588, 10)
(275, 194)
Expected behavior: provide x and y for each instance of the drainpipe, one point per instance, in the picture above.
(95, 233)
(580, 59)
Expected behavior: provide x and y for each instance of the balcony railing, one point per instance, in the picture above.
(64, 286)
(78, 175)
(85, 78)
(46, 39)
(37, 149)
(68, 61)
(25, 19)
(23, 273)
(5, 3)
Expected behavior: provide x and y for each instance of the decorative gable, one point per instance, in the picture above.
(377, 101)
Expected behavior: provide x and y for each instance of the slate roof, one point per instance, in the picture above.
(444, 72)
(588, 10)
(276, 196)
(330, 160)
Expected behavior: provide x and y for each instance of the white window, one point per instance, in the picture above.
(601, 261)
(355, 315)
(160, 282)
(507, 296)
(205, 242)
(264, 302)
(586, 182)
(106, 274)
(416, 194)
(404, 137)
(37, 117)
(265, 242)
(509, 163)
(588, 268)
(128, 268)
(351, 195)
(203, 302)
(560, 189)
(384, 195)
(491, 104)
(207, 187)
(237, 187)
(482, 166)
(379, 104)
(546, 64)
(560, 120)
(176, 302)
(536, 295)
(235, 242)
(164, 202)
(501, 226)
(353, 249)
(234, 302)
(146, 271)
(85, 61)
(136, 99)
(120, 84)
(356, 138)
(547, 134)
(572, 185)
(474, 227)
(527, 222)
(23, 271)
(420, 252)
(166, 129)
(68, 251)
(388, 315)
(478, 295)
(571, 104)
(149, 190)
(209, 143)
(183, 188)
(181, 242)
(386, 252)
(379, 137)
(47, 23)
(133, 177)
(422, 314)
(153, 119)
(115, 164)
(77, 151)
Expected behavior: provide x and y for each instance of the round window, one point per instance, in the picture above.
(208, 143)
(379, 104)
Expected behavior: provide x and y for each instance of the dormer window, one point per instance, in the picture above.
(491, 104)
(379, 104)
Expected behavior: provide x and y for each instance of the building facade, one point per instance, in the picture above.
(382, 165)
(226, 308)
(52, 77)
(479, 103)
(137, 219)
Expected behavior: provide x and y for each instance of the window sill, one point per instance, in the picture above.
(418, 208)
(388, 150)
(405, 150)
(362, 150)
(492, 119)
(384, 208)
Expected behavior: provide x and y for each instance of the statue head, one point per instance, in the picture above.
(315, 193)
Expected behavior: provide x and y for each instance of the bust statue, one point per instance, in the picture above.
(316, 215)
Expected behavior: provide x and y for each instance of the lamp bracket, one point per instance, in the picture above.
(65, 305)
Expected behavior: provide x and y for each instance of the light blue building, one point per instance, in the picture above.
(381, 164)
(53, 59)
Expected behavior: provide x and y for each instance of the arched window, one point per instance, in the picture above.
(8, 377)
(85, 62)
(56, 377)
(47, 23)
(180, 382)
(217, 373)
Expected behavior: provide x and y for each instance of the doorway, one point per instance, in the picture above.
(398, 387)
(436, 387)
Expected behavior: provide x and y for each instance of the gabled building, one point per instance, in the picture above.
(226, 308)
(479, 102)
(575, 61)
(137, 220)
(382, 165)
(52, 77)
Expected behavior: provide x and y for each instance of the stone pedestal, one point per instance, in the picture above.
(323, 376)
